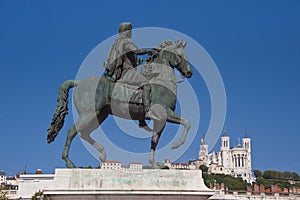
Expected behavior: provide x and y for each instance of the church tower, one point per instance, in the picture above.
(247, 142)
(225, 150)
(225, 140)
(203, 153)
(247, 146)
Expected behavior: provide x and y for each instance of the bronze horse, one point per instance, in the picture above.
(93, 98)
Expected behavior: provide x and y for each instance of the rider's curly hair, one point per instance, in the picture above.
(125, 26)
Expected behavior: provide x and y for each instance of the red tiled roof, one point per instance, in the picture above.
(112, 161)
(180, 164)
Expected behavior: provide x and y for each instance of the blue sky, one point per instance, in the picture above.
(255, 44)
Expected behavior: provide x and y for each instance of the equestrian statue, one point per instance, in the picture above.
(122, 91)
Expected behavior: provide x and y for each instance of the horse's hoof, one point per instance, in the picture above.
(175, 145)
(103, 157)
(158, 165)
(70, 165)
(151, 161)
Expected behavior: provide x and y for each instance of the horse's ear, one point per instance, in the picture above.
(180, 43)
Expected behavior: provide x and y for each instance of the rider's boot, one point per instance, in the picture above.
(146, 101)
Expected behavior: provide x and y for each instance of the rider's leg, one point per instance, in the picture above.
(147, 103)
(146, 99)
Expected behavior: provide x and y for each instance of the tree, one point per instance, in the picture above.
(258, 173)
(295, 176)
(270, 174)
(3, 195)
(203, 168)
(37, 196)
(230, 182)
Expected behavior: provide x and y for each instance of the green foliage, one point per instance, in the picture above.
(37, 196)
(279, 182)
(88, 167)
(3, 196)
(272, 174)
(203, 168)
(230, 182)
(258, 173)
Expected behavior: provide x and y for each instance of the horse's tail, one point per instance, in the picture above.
(61, 109)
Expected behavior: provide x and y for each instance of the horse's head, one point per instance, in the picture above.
(175, 55)
(183, 66)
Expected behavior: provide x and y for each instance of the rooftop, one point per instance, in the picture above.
(112, 161)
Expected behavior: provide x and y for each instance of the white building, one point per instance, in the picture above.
(29, 184)
(2, 178)
(188, 166)
(11, 182)
(235, 161)
(111, 164)
(136, 166)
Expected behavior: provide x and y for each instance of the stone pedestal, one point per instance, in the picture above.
(127, 184)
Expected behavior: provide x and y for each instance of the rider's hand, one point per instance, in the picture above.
(154, 52)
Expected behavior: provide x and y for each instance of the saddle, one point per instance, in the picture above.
(129, 88)
(127, 93)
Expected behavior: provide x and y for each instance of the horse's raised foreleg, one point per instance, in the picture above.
(72, 132)
(177, 119)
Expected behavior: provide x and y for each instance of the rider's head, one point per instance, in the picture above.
(125, 28)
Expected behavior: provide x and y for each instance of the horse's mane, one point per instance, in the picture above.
(165, 45)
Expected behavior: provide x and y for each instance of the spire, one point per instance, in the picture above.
(225, 132)
(246, 133)
(239, 142)
(203, 139)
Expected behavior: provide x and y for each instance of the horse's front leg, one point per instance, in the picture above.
(177, 119)
(157, 130)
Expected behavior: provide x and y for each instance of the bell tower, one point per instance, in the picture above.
(225, 150)
(225, 140)
(247, 142)
(203, 152)
(248, 162)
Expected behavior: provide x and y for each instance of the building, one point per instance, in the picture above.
(12, 183)
(234, 161)
(136, 166)
(187, 166)
(111, 164)
(2, 178)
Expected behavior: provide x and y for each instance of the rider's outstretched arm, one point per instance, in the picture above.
(144, 51)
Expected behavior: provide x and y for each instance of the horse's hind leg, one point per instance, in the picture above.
(86, 136)
(87, 128)
(72, 132)
(85, 125)
(177, 119)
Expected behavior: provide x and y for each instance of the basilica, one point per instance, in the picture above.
(234, 161)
